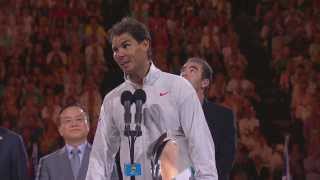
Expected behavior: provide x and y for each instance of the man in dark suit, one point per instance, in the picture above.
(13, 156)
(220, 119)
(71, 161)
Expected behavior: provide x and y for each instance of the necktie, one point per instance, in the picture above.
(75, 161)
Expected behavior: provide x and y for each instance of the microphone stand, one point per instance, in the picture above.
(132, 136)
(139, 98)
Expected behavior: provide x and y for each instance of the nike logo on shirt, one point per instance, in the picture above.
(165, 93)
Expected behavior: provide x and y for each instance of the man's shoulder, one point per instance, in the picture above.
(171, 76)
(3, 131)
(9, 135)
(88, 148)
(116, 91)
(8, 132)
(52, 156)
(177, 82)
(218, 107)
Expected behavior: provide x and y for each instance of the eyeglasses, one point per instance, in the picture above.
(73, 121)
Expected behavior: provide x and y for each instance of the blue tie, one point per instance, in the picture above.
(75, 162)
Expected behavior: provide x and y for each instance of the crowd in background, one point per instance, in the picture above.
(290, 32)
(53, 52)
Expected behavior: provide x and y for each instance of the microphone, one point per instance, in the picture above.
(126, 101)
(139, 98)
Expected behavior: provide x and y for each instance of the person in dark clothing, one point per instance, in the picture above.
(13, 156)
(220, 119)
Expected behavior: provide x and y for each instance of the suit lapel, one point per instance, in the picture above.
(84, 163)
(65, 165)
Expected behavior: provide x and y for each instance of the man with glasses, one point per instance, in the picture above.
(71, 161)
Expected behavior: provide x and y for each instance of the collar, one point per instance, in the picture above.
(152, 75)
(81, 147)
(205, 102)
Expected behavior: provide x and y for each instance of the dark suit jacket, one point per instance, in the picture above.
(56, 166)
(222, 127)
(13, 156)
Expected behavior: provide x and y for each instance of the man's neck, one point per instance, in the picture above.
(201, 96)
(76, 143)
(139, 76)
(137, 79)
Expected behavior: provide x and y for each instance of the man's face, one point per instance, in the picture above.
(193, 73)
(73, 124)
(130, 55)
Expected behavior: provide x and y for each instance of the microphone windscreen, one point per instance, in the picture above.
(139, 94)
(126, 96)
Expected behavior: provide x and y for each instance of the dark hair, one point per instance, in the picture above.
(73, 104)
(207, 72)
(136, 29)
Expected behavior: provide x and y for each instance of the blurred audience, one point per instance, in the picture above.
(53, 53)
